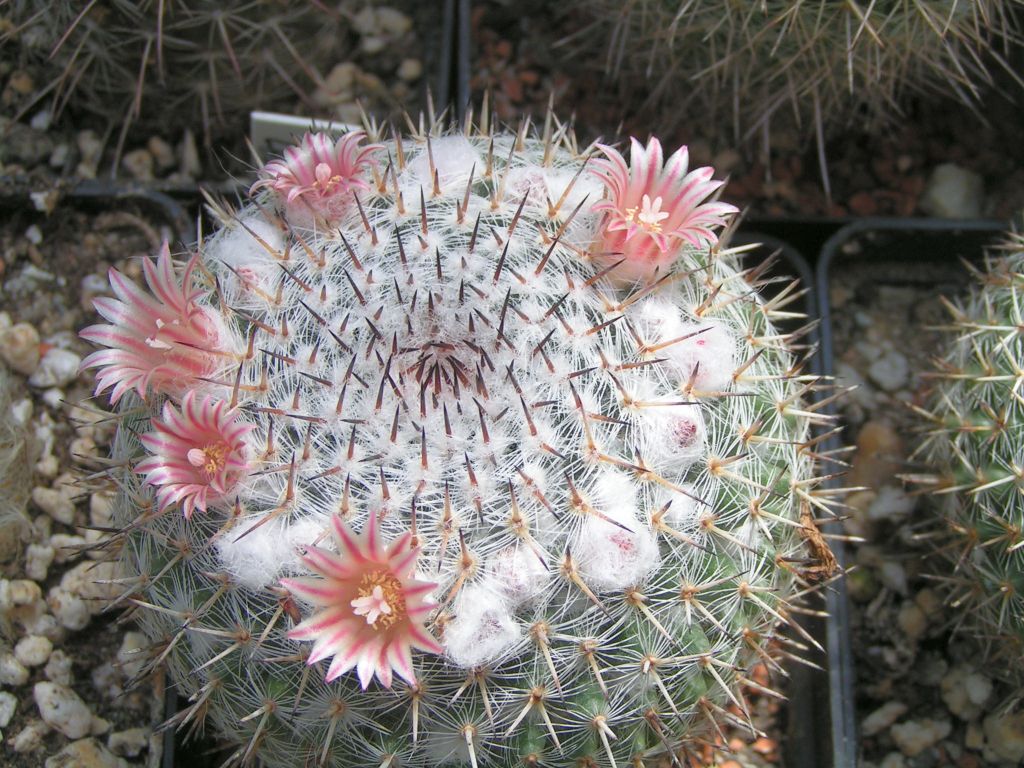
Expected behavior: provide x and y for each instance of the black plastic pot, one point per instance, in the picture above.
(922, 252)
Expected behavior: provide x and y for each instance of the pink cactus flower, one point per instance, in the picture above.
(317, 179)
(373, 609)
(163, 340)
(198, 454)
(651, 211)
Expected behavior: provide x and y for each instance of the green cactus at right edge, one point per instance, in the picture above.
(976, 444)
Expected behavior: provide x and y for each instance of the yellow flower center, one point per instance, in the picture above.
(380, 600)
(210, 459)
(648, 215)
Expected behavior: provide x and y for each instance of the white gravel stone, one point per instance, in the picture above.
(890, 371)
(30, 738)
(58, 368)
(1004, 735)
(893, 760)
(66, 546)
(890, 502)
(101, 508)
(894, 576)
(85, 753)
(410, 70)
(19, 348)
(70, 610)
(37, 561)
(915, 736)
(24, 592)
(912, 621)
(59, 668)
(55, 503)
(139, 164)
(60, 708)
(33, 650)
(8, 704)
(965, 692)
(883, 717)
(131, 656)
(12, 671)
(128, 743)
(953, 192)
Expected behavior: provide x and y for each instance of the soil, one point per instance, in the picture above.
(885, 293)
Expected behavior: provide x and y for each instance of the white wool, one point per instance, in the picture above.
(239, 246)
(518, 574)
(483, 630)
(454, 159)
(673, 436)
(621, 550)
(710, 351)
(684, 511)
(261, 557)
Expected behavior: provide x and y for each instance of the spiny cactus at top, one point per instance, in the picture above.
(824, 61)
(466, 448)
(976, 445)
(180, 63)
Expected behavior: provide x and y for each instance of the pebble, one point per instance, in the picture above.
(71, 611)
(30, 738)
(890, 502)
(912, 621)
(883, 717)
(61, 708)
(128, 743)
(34, 234)
(60, 155)
(57, 504)
(85, 753)
(37, 561)
(19, 592)
(66, 546)
(12, 671)
(19, 348)
(162, 152)
(33, 650)
(58, 668)
(915, 736)
(58, 368)
(1004, 734)
(890, 371)
(410, 70)
(894, 576)
(101, 508)
(131, 656)
(91, 287)
(8, 704)
(953, 192)
(879, 455)
(965, 692)
(139, 164)
(91, 148)
(893, 760)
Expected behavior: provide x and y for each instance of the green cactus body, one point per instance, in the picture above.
(612, 516)
(824, 61)
(976, 445)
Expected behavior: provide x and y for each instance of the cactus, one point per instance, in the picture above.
(826, 62)
(164, 64)
(15, 470)
(974, 442)
(467, 448)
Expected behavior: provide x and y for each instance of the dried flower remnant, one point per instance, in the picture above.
(373, 608)
(653, 209)
(162, 341)
(317, 179)
(198, 454)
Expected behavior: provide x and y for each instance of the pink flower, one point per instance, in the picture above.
(652, 211)
(164, 341)
(199, 454)
(318, 178)
(373, 609)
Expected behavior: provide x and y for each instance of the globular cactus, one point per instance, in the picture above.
(467, 448)
(975, 444)
(827, 62)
